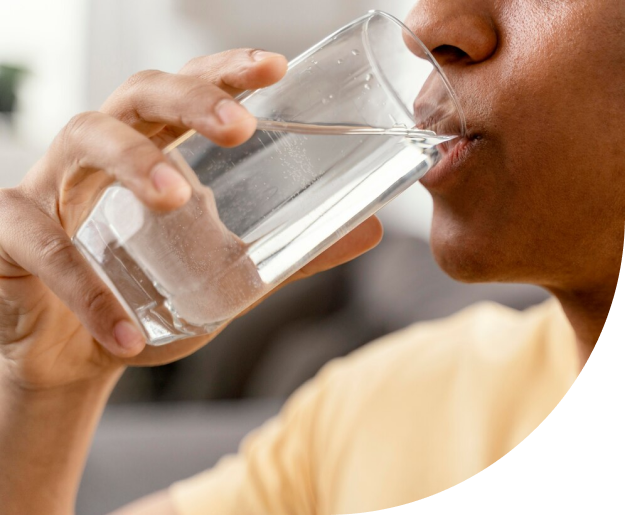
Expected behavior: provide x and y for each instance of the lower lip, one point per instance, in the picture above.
(447, 171)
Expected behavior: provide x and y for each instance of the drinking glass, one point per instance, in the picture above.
(355, 121)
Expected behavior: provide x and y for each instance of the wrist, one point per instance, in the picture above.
(96, 387)
(45, 434)
(16, 379)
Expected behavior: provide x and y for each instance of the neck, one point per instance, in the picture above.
(587, 311)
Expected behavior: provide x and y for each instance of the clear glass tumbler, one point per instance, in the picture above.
(354, 122)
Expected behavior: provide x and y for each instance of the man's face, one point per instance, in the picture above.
(537, 193)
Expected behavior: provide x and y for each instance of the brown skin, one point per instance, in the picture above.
(539, 198)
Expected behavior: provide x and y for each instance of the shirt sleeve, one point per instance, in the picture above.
(271, 474)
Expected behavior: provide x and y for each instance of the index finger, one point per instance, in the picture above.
(141, 100)
(237, 70)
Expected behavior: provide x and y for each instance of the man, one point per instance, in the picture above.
(535, 193)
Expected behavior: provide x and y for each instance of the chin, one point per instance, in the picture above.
(469, 257)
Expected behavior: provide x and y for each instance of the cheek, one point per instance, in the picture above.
(541, 119)
(543, 104)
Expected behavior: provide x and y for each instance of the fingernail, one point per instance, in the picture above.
(166, 179)
(260, 55)
(230, 111)
(127, 335)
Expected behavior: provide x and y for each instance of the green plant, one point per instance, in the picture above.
(10, 77)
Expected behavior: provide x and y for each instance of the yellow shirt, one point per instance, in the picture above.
(403, 418)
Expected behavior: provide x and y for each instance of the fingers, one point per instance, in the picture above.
(41, 246)
(240, 69)
(94, 141)
(199, 97)
(155, 99)
(362, 239)
(355, 243)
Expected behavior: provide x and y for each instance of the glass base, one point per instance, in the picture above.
(132, 287)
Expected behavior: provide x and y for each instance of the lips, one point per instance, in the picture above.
(448, 171)
(435, 108)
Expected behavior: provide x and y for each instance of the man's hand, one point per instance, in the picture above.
(59, 323)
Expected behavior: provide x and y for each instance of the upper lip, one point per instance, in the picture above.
(446, 147)
(435, 107)
(453, 148)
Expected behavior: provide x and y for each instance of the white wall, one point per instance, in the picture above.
(49, 39)
(127, 36)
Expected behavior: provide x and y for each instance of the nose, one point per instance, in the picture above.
(455, 31)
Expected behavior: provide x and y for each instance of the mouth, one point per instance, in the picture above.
(453, 156)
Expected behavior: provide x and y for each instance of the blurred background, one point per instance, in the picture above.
(165, 423)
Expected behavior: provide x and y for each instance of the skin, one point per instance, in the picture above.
(537, 196)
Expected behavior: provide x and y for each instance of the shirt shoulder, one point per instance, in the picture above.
(438, 402)
(484, 336)
(435, 402)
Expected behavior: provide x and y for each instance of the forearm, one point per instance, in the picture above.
(44, 440)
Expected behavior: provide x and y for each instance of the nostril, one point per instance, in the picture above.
(447, 54)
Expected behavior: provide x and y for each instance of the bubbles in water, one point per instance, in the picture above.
(355, 52)
(330, 97)
(339, 61)
(368, 77)
(367, 86)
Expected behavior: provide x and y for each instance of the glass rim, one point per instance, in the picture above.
(328, 39)
(430, 57)
(370, 14)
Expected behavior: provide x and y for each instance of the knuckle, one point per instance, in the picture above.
(249, 52)
(236, 60)
(135, 149)
(140, 78)
(213, 66)
(96, 300)
(141, 154)
(7, 196)
(237, 53)
(11, 202)
(77, 125)
(196, 63)
(120, 104)
(204, 94)
(198, 90)
(55, 251)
